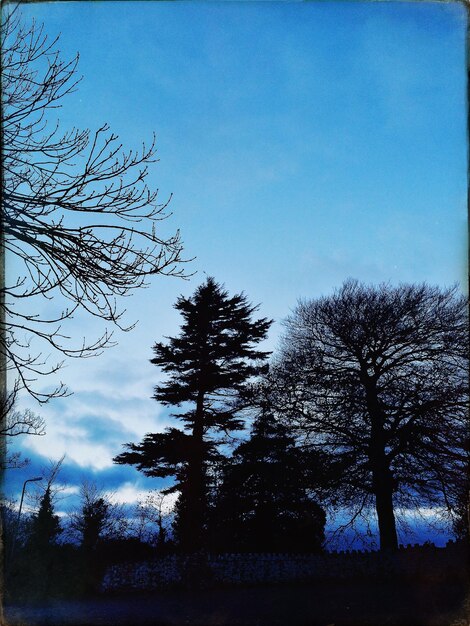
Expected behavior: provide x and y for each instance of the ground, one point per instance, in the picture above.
(340, 604)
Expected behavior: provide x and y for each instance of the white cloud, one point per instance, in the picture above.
(85, 452)
(69, 490)
(128, 493)
(111, 405)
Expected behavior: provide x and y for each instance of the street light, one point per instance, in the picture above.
(29, 480)
(13, 541)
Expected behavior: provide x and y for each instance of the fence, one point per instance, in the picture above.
(411, 562)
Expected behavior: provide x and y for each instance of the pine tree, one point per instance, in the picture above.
(97, 519)
(265, 504)
(208, 366)
(45, 524)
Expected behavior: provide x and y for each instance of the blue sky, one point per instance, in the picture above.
(303, 143)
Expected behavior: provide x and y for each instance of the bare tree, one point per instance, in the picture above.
(153, 518)
(23, 423)
(19, 423)
(80, 225)
(49, 473)
(377, 377)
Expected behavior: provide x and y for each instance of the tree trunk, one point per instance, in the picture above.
(384, 506)
(196, 483)
(382, 480)
(3, 393)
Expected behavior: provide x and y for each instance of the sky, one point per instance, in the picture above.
(301, 144)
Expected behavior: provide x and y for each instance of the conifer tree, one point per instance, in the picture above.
(45, 524)
(208, 366)
(265, 503)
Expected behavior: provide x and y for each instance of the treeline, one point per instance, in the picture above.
(362, 410)
(52, 555)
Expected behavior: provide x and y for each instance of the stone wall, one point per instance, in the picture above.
(423, 562)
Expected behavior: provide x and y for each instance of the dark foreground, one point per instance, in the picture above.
(340, 604)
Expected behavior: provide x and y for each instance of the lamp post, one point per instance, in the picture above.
(13, 541)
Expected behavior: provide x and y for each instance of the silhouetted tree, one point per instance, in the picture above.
(18, 423)
(32, 566)
(96, 519)
(266, 502)
(208, 366)
(377, 376)
(45, 526)
(77, 215)
(99, 526)
(152, 520)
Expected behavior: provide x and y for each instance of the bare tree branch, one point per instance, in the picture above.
(378, 378)
(80, 224)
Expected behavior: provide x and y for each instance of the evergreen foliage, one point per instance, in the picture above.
(265, 502)
(94, 518)
(208, 366)
(45, 527)
(97, 519)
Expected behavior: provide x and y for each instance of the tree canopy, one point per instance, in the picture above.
(377, 377)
